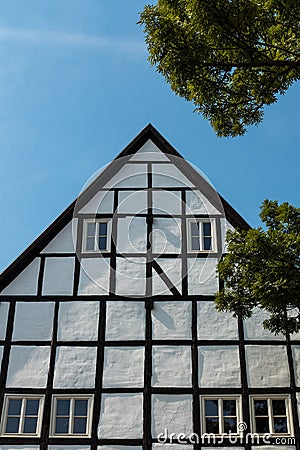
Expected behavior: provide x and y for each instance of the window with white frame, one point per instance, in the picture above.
(271, 415)
(22, 415)
(221, 415)
(96, 235)
(201, 235)
(71, 416)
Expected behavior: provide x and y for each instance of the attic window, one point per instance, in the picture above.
(71, 415)
(202, 235)
(96, 236)
(22, 415)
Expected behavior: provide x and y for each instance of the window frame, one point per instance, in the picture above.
(84, 235)
(212, 222)
(220, 399)
(72, 398)
(24, 397)
(269, 399)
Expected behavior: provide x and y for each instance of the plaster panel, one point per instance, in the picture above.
(168, 175)
(58, 276)
(296, 358)
(94, 276)
(125, 320)
(172, 447)
(166, 235)
(171, 412)
(33, 321)
(123, 367)
(149, 152)
(131, 176)
(132, 235)
(129, 425)
(267, 366)
(119, 447)
(172, 320)
(75, 367)
(28, 367)
(219, 366)
(215, 325)
(172, 268)
(78, 321)
(197, 203)
(1, 353)
(225, 227)
(65, 240)
(274, 447)
(69, 447)
(20, 447)
(26, 283)
(172, 366)
(132, 202)
(131, 277)
(4, 307)
(167, 202)
(101, 203)
(202, 276)
(253, 327)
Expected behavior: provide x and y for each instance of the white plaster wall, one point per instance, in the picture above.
(168, 175)
(219, 366)
(149, 152)
(4, 307)
(28, 367)
(1, 353)
(172, 447)
(197, 203)
(253, 327)
(58, 276)
(273, 447)
(131, 276)
(121, 416)
(172, 413)
(172, 366)
(94, 276)
(267, 366)
(65, 240)
(26, 283)
(75, 367)
(130, 175)
(101, 203)
(68, 447)
(167, 202)
(296, 359)
(20, 447)
(215, 325)
(166, 235)
(172, 320)
(172, 268)
(118, 447)
(298, 404)
(78, 321)
(202, 276)
(33, 321)
(125, 320)
(132, 235)
(132, 202)
(225, 226)
(123, 367)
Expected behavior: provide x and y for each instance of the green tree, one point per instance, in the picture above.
(262, 269)
(229, 57)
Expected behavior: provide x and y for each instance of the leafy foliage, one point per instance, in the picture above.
(262, 269)
(229, 57)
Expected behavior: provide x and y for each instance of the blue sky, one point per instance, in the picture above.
(76, 88)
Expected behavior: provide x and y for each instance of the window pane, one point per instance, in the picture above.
(261, 407)
(230, 425)
(212, 425)
(211, 407)
(61, 425)
(194, 229)
(262, 424)
(90, 242)
(279, 408)
(102, 229)
(229, 407)
(79, 426)
(14, 407)
(30, 425)
(206, 229)
(280, 425)
(32, 407)
(91, 229)
(63, 407)
(207, 243)
(81, 407)
(195, 244)
(12, 425)
(102, 243)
